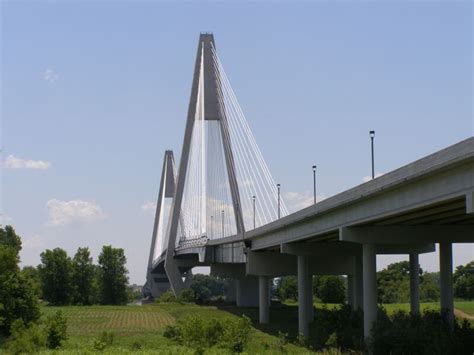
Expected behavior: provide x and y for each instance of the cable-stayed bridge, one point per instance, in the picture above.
(221, 208)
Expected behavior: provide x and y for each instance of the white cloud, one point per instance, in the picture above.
(149, 206)
(368, 178)
(61, 213)
(5, 219)
(50, 75)
(296, 201)
(33, 242)
(13, 162)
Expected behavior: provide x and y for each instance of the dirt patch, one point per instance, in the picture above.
(461, 314)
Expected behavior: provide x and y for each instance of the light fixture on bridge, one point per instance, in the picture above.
(253, 200)
(278, 187)
(372, 136)
(222, 223)
(314, 183)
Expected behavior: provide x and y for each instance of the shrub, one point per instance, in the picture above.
(25, 339)
(172, 332)
(344, 326)
(56, 330)
(99, 345)
(168, 296)
(136, 346)
(287, 288)
(105, 339)
(282, 341)
(237, 334)
(429, 333)
(200, 334)
(186, 295)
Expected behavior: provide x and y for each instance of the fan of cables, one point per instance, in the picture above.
(208, 208)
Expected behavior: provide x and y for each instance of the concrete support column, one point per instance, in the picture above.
(351, 291)
(446, 279)
(231, 292)
(263, 297)
(238, 293)
(414, 284)
(303, 322)
(270, 286)
(369, 263)
(246, 294)
(359, 285)
(310, 298)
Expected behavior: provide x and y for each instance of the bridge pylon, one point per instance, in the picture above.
(223, 187)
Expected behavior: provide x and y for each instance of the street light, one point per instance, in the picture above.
(372, 135)
(278, 187)
(314, 183)
(222, 223)
(212, 225)
(253, 200)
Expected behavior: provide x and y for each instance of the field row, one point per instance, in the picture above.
(87, 320)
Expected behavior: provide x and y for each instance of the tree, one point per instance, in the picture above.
(429, 287)
(83, 275)
(56, 276)
(32, 273)
(207, 286)
(9, 238)
(393, 283)
(287, 288)
(17, 298)
(463, 279)
(329, 288)
(113, 277)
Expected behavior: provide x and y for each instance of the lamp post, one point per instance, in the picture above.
(314, 183)
(278, 187)
(222, 223)
(253, 200)
(212, 225)
(372, 135)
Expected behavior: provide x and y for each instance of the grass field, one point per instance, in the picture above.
(142, 327)
(465, 306)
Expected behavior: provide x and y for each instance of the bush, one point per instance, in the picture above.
(200, 334)
(172, 332)
(429, 333)
(287, 288)
(166, 297)
(56, 330)
(237, 334)
(186, 295)
(282, 341)
(341, 328)
(105, 339)
(25, 340)
(329, 288)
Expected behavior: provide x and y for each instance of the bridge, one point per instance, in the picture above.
(222, 209)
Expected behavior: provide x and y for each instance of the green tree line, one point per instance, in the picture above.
(64, 280)
(393, 285)
(59, 280)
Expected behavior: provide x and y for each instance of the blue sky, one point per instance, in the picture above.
(94, 92)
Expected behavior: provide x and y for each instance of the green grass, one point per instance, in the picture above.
(465, 306)
(144, 325)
